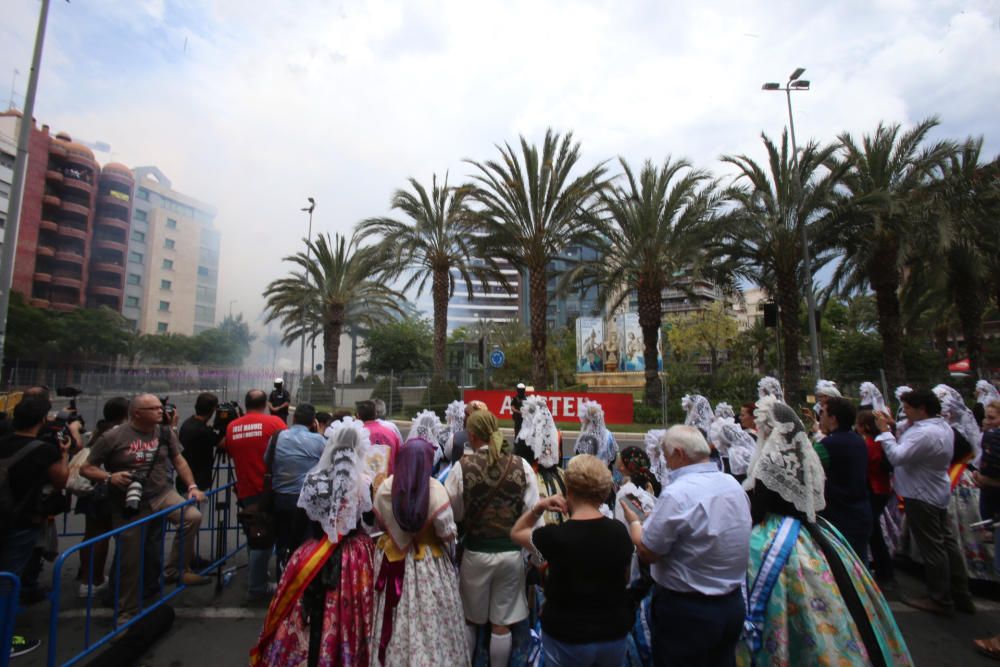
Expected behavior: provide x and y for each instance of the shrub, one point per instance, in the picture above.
(645, 414)
(393, 400)
(439, 394)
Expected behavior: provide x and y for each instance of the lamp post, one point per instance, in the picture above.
(231, 302)
(796, 83)
(302, 349)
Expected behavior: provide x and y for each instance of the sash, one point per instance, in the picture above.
(767, 576)
(955, 473)
(289, 593)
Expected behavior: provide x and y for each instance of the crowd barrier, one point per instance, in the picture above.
(10, 591)
(221, 521)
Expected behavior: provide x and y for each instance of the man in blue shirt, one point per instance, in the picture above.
(297, 451)
(846, 491)
(697, 543)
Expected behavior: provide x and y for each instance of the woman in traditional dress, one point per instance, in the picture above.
(810, 600)
(697, 412)
(418, 612)
(541, 447)
(322, 611)
(592, 423)
(735, 445)
(427, 426)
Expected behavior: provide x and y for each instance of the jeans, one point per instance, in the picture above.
(696, 630)
(290, 527)
(944, 566)
(259, 559)
(16, 548)
(876, 542)
(597, 654)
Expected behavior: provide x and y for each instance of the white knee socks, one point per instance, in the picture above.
(499, 649)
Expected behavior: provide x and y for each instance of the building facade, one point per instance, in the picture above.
(492, 304)
(172, 269)
(564, 308)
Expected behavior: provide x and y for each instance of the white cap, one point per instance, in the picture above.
(520, 385)
(278, 380)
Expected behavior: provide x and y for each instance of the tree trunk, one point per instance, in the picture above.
(789, 303)
(439, 293)
(539, 304)
(333, 325)
(970, 313)
(885, 279)
(650, 321)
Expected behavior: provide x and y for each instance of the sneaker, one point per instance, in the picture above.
(84, 591)
(22, 646)
(927, 604)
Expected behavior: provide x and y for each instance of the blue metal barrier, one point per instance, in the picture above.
(220, 509)
(10, 591)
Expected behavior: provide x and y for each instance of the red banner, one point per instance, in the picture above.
(564, 406)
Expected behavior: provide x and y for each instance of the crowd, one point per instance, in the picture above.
(766, 536)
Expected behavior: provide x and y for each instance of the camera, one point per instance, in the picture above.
(225, 414)
(169, 410)
(133, 494)
(57, 427)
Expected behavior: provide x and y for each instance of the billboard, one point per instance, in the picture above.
(589, 344)
(565, 406)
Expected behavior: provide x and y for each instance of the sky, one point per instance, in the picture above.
(253, 106)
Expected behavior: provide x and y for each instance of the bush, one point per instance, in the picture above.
(439, 394)
(393, 400)
(645, 414)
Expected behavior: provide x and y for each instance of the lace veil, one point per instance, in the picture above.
(454, 416)
(539, 431)
(699, 412)
(960, 417)
(657, 464)
(769, 386)
(870, 395)
(986, 393)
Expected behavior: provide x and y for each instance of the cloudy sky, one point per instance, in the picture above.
(253, 106)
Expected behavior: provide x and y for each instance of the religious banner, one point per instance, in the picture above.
(589, 344)
(565, 406)
(630, 335)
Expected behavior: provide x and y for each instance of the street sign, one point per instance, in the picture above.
(497, 358)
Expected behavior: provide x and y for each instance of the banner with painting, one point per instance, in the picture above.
(589, 344)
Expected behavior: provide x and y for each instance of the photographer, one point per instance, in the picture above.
(135, 456)
(200, 441)
(31, 464)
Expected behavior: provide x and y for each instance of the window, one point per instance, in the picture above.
(202, 270)
(135, 257)
(204, 313)
(133, 324)
(142, 193)
(165, 284)
(165, 306)
(168, 244)
(131, 302)
(138, 236)
(134, 279)
(141, 216)
(171, 223)
(168, 264)
(161, 327)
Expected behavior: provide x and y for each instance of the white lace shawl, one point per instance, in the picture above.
(734, 443)
(454, 416)
(769, 386)
(870, 395)
(901, 391)
(539, 432)
(785, 461)
(960, 417)
(986, 393)
(336, 492)
(699, 412)
(427, 425)
(657, 464)
(592, 422)
(723, 410)
(826, 388)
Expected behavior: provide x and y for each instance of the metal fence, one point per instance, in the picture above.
(10, 591)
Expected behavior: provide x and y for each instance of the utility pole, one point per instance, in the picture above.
(302, 315)
(20, 171)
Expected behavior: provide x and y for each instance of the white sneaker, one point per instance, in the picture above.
(84, 590)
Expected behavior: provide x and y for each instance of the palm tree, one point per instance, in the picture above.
(876, 224)
(532, 208)
(967, 197)
(652, 232)
(330, 289)
(761, 237)
(436, 244)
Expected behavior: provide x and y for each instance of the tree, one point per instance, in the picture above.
(434, 244)
(708, 331)
(331, 288)
(761, 237)
(532, 208)
(399, 346)
(651, 232)
(877, 223)
(168, 348)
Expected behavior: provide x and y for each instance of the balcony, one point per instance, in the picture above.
(42, 277)
(45, 251)
(54, 176)
(39, 303)
(107, 267)
(108, 200)
(113, 223)
(113, 176)
(66, 281)
(51, 200)
(78, 184)
(69, 257)
(48, 226)
(58, 148)
(75, 209)
(104, 290)
(69, 231)
(73, 157)
(108, 244)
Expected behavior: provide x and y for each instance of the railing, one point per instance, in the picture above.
(221, 519)
(10, 591)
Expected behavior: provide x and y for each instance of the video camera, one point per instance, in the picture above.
(57, 427)
(169, 410)
(225, 414)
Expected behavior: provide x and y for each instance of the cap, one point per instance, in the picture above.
(520, 385)
(278, 380)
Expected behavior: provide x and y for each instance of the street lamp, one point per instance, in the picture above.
(798, 84)
(302, 350)
(231, 302)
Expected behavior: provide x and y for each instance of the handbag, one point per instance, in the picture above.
(257, 517)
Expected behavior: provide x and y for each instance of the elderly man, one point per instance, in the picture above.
(920, 460)
(139, 452)
(697, 542)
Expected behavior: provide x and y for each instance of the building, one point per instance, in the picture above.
(491, 304)
(751, 310)
(563, 309)
(8, 152)
(74, 225)
(172, 272)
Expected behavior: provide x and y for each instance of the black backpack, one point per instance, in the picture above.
(9, 506)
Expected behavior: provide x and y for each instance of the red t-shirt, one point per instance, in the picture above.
(380, 434)
(878, 478)
(246, 442)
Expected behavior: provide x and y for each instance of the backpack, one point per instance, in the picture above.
(9, 507)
